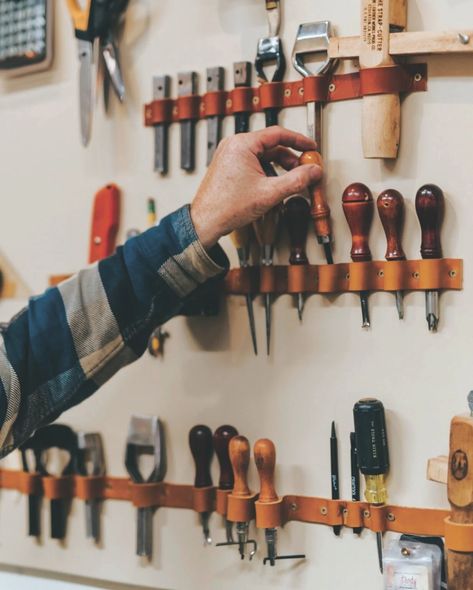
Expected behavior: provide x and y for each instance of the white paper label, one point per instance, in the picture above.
(414, 577)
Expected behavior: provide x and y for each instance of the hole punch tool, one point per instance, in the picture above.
(187, 86)
(215, 83)
(113, 76)
(145, 437)
(201, 446)
(91, 462)
(161, 90)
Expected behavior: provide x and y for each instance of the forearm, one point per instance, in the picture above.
(69, 341)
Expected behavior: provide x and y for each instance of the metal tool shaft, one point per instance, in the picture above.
(187, 87)
(161, 90)
(215, 82)
(144, 536)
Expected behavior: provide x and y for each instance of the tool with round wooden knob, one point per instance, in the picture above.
(296, 218)
(201, 445)
(390, 205)
(358, 208)
(239, 451)
(222, 437)
(320, 211)
(265, 459)
(430, 207)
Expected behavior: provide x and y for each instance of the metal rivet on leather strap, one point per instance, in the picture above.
(391, 517)
(452, 274)
(331, 88)
(416, 275)
(381, 273)
(287, 92)
(324, 510)
(418, 77)
(255, 99)
(229, 103)
(301, 91)
(294, 507)
(366, 513)
(347, 276)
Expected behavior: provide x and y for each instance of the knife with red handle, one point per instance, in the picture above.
(105, 220)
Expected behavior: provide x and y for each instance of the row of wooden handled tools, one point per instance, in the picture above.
(85, 456)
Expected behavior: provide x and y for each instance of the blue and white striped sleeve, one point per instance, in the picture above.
(69, 341)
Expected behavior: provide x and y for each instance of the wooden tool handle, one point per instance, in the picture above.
(265, 459)
(296, 216)
(266, 228)
(240, 459)
(391, 212)
(358, 208)
(430, 207)
(320, 211)
(460, 495)
(241, 238)
(201, 445)
(222, 437)
(381, 114)
(105, 221)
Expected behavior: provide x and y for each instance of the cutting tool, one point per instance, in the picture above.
(96, 19)
(110, 53)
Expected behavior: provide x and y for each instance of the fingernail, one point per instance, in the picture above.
(315, 172)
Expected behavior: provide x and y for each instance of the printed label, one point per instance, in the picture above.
(414, 577)
(373, 24)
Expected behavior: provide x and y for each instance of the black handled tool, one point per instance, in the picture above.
(34, 501)
(62, 437)
(187, 86)
(215, 82)
(145, 437)
(335, 477)
(222, 437)
(161, 90)
(355, 475)
(91, 462)
(201, 445)
(373, 455)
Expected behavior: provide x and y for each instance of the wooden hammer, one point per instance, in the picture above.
(381, 114)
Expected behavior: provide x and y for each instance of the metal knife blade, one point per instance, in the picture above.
(86, 90)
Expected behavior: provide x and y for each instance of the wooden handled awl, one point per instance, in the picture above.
(239, 451)
(201, 445)
(222, 437)
(381, 113)
(430, 207)
(320, 211)
(358, 208)
(391, 212)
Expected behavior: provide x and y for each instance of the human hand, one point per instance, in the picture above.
(236, 191)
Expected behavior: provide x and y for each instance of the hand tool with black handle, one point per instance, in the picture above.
(201, 445)
(34, 501)
(145, 437)
(430, 208)
(161, 90)
(391, 212)
(270, 53)
(113, 76)
(266, 231)
(355, 475)
(296, 218)
(239, 450)
(335, 476)
(242, 237)
(61, 437)
(222, 437)
(373, 455)
(91, 462)
(265, 459)
(320, 211)
(215, 82)
(358, 207)
(187, 86)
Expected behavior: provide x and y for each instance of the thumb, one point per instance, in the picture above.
(295, 181)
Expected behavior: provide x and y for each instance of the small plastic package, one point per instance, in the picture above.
(412, 566)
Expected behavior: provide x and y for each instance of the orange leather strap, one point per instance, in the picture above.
(241, 508)
(458, 537)
(331, 88)
(58, 488)
(221, 501)
(406, 275)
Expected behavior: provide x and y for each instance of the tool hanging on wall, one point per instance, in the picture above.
(430, 208)
(105, 222)
(391, 212)
(110, 53)
(355, 476)
(222, 437)
(26, 36)
(187, 86)
(99, 19)
(373, 455)
(265, 459)
(201, 446)
(296, 217)
(145, 437)
(239, 450)
(358, 208)
(91, 463)
(334, 472)
(242, 237)
(215, 83)
(34, 499)
(161, 91)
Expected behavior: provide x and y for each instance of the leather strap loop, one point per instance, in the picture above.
(271, 95)
(189, 108)
(392, 79)
(243, 100)
(270, 514)
(146, 495)
(316, 88)
(222, 502)
(90, 487)
(458, 537)
(29, 483)
(203, 499)
(215, 103)
(58, 488)
(160, 111)
(241, 509)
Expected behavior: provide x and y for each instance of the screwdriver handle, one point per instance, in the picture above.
(371, 437)
(240, 459)
(267, 226)
(201, 445)
(296, 217)
(358, 207)
(222, 437)
(265, 459)
(391, 212)
(430, 207)
(320, 211)
(241, 238)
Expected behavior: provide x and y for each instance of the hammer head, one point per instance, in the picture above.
(313, 39)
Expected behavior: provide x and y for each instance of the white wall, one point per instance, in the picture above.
(317, 371)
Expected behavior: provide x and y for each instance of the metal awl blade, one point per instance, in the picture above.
(86, 90)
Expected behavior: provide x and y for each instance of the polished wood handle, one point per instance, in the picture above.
(201, 445)
(240, 459)
(241, 238)
(265, 459)
(358, 207)
(391, 212)
(320, 211)
(296, 217)
(267, 226)
(222, 437)
(430, 207)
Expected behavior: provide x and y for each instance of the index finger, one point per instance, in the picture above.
(271, 137)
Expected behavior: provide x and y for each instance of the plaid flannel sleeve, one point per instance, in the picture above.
(69, 341)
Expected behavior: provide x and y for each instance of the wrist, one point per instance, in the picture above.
(204, 228)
